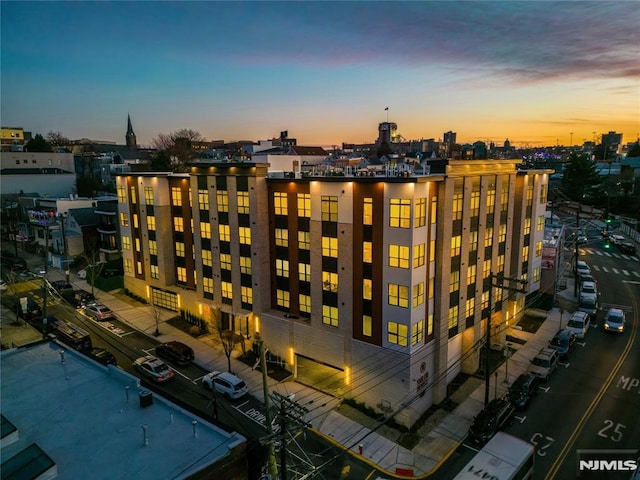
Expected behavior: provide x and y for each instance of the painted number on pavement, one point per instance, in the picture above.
(541, 442)
(616, 435)
(628, 383)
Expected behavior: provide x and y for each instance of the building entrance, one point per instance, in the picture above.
(326, 378)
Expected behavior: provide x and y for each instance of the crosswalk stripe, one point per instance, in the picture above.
(636, 274)
(607, 254)
(625, 272)
(626, 257)
(615, 270)
(596, 268)
(605, 269)
(598, 252)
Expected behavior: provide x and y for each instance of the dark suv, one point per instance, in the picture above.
(523, 390)
(497, 415)
(176, 352)
(563, 342)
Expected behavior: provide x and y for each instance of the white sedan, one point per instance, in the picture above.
(579, 324)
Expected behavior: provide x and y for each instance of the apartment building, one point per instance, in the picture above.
(371, 287)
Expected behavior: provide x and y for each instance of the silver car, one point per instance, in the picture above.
(544, 363)
(614, 321)
(579, 324)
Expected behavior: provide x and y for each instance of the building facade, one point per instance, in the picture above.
(371, 287)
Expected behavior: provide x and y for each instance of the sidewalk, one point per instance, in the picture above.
(440, 436)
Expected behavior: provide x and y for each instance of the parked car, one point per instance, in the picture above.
(563, 342)
(614, 321)
(79, 298)
(44, 325)
(99, 312)
(226, 384)
(154, 368)
(582, 268)
(177, 352)
(497, 415)
(523, 390)
(61, 286)
(587, 277)
(579, 324)
(588, 303)
(582, 239)
(617, 239)
(100, 355)
(544, 363)
(628, 247)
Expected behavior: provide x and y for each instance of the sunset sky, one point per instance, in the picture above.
(532, 72)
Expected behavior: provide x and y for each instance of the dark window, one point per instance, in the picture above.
(330, 229)
(221, 182)
(242, 184)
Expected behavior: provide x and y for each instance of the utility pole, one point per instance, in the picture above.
(271, 455)
(500, 284)
(576, 253)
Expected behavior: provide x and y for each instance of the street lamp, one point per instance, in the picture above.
(65, 250)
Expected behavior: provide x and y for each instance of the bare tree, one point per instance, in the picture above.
(156, 314)
(229, 339)
(175, 149)
(56, 139)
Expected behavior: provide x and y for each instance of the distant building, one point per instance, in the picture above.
(612, 142)
(49, 174)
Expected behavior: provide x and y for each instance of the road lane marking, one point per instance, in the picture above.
(545, 389)
(605, 269)
(615, 270)
(607, 254)
(631, 281)
(520, 419)
(626, 272)
(636, 274)
(596, 268)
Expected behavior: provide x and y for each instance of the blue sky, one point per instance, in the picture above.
(532, 72)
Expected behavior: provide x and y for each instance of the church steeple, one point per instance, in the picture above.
(131, 137)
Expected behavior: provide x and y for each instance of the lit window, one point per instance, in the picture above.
(367, 325)
(367, 289)
(207, 258)
(155, 271)
(367, 211)
(128, 265)
(488, 237)
(282, 267)
(367, 250)
(454, 281)
(243, 202)
(421, 212)
(432, 250)
(225, 261)
(207, 285)
(397, 333)
(456, 242)
(475, 203)
(134, 197)
(227, 289)
(399, 256)
(244, 233)
(329, 208)
(525, 253)
(541, 223)
(418, 255)
(471, 274)
(280, 203)
(148, 196)
(457, 206)
(122, 194)
(282, 298)
(224, 233)
(529, 195)
(485, 300)
(399, 213)
(434, 209)
(178, 224)
(182, 274)
(205, 230)
(504, 197)
(126, 242)
(536, 274)
(176, 196)
(539, 248)
(304, 272)
(430, 324)
(398, 295)
(304, 205)
(135, 221)
(473, 241)
(245, 265)
(153, 247)
(137, 244)
(418, 294)
(417, 332)
(246, 295)
(543, 193)
(282, 237)
(222, 198)
(500, 263)
(486, 269)
(431, 287)
(453, 317)
(305, 303)
(329, 281)
(491, 200)
(330, 247)
(151, 223)
(124, 219)
(470, 307)
(203, 199)
(330, 315)
(527, 227)
(304, 240)
(502, 233)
